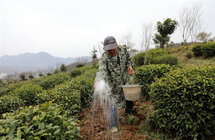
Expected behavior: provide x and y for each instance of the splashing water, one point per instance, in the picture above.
(101, 111)
(100, 86)
(100, 98)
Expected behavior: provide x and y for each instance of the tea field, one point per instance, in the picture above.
(178, 101)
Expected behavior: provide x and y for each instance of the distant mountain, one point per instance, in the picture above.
(34, 61)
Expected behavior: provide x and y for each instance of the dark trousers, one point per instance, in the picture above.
(129, 107)
(113, 118)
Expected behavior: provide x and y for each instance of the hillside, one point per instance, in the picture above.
(181, 51)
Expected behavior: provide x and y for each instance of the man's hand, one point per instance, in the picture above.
(130, 70)
(95, 84)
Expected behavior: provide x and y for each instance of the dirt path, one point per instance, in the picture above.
(95, 127)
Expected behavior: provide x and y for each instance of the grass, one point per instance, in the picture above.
(180, 53)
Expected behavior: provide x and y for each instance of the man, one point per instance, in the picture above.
(115, 68)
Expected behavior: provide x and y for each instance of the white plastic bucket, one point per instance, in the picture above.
(132, 92)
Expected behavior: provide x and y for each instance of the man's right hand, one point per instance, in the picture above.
(95, 84)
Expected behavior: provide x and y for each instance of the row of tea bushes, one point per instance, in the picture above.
(184, 102)
(45, 121)
(84, 84)
(206, 50)
(146, 75)
(139, 59)
(154, 56)
(159, 56)
(47, 82)
(63, 95)
(72, 95)
(10, 88)
(164, 59)
(79, 70)
(21, 94)
(27, 93)
(52, 80)
(10, 103)
(24, 95)
(49, 120)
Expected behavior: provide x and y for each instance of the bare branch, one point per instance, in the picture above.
(146, 36)
(126, 39)
(190, 22)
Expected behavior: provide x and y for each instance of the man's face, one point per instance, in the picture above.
(112, 52)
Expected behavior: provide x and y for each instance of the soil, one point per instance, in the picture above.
(94, 125)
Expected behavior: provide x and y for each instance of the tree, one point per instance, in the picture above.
(63, 68)
(133, 52)
(40, 74)
(48, 74)
(197, 24)
(146, 36)
(9, 78)
(126, 39)
(212, 39)
(31, 76)
(164, 30)
(56, 71)
(203, 37)
(190, 22)
(94, 56)
(22, 76)
(78, 65)
(185, 22)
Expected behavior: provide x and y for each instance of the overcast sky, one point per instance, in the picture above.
(70, 28)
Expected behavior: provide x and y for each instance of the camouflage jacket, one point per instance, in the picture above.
(114, 70)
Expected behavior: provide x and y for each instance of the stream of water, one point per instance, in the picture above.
(101, 111)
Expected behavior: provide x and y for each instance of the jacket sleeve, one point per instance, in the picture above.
(102, 71)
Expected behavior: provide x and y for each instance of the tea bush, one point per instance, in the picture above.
(75, 72)
(156, 52)
(84, 84)
(79, 70)
(159, 56)
(52, 80)
(3, 84)
(206, 50)
(9, 103)
(164, 59)
(80, 65)
(189, 55)
(4, 91)
(45, 121)
(36, 81)
(71, 95)
(184, 102)
(145, 75)
(197, 50)
(28, 93)
(63, 95)
(10, 88)
(139, 59)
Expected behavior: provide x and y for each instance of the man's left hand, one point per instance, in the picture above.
(130, 70)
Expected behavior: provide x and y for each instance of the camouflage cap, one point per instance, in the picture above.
(109, 43)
